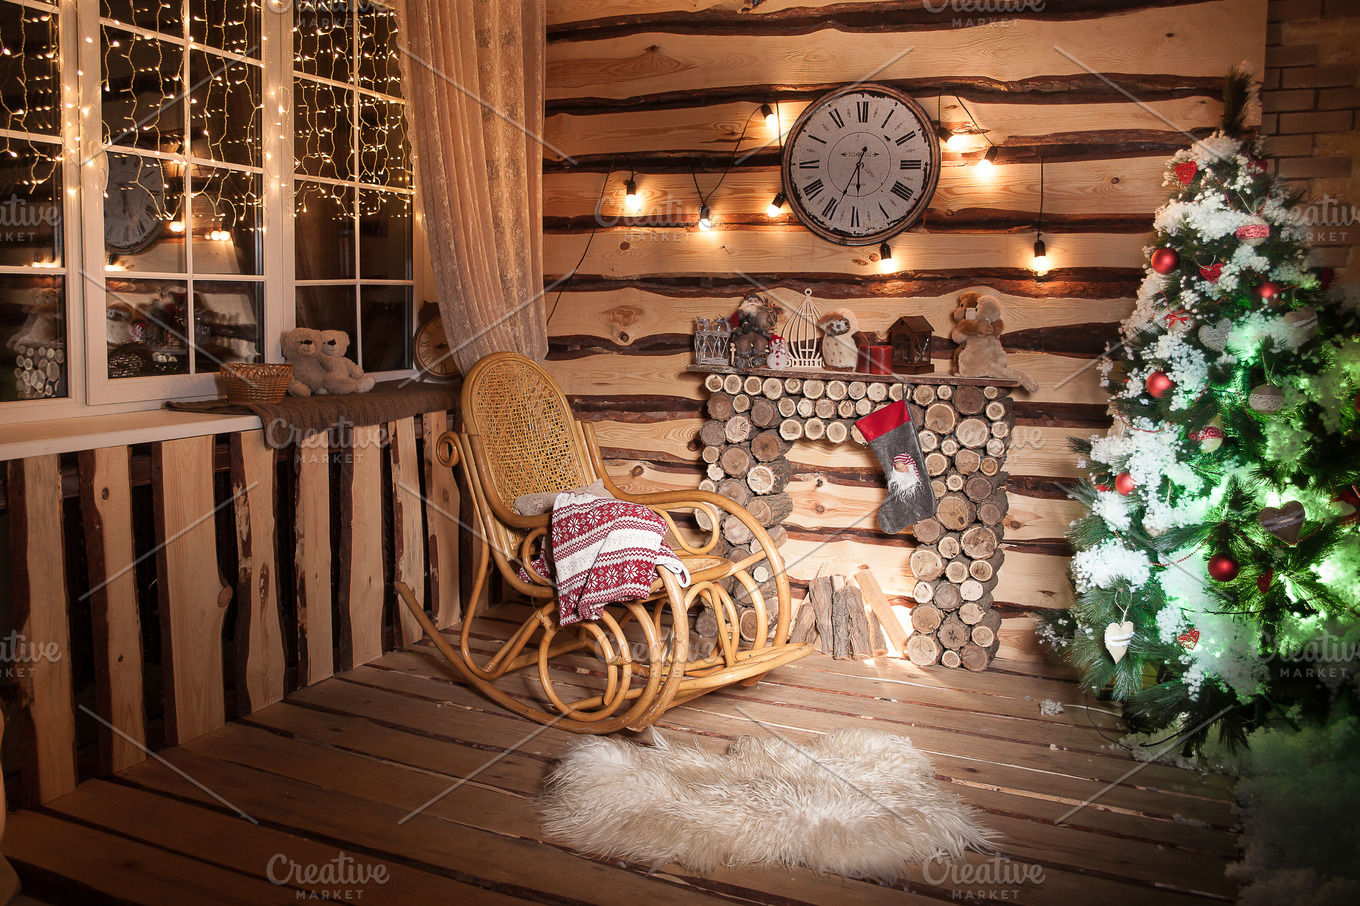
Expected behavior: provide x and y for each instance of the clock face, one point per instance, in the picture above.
(432, 350)
(861, 164)
(132, 203)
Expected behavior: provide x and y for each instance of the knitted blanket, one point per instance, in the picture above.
(603, 551)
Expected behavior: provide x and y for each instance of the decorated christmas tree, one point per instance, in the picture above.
(1220, 554)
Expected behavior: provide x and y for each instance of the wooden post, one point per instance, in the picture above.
(259, 624)
(441, 526)
(312, 561)
(408, 530)
(362, 579)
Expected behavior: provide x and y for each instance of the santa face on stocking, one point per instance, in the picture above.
(891, 434)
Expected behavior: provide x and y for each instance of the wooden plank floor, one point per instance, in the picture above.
(261, 810)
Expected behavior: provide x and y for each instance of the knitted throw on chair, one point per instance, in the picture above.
(602, 551)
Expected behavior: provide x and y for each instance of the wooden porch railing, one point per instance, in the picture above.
(146, 613)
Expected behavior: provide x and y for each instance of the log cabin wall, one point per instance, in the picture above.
(1310, 104)
(1102, 92)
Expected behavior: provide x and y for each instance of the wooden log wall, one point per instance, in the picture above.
(1103, 93)
(240, 551)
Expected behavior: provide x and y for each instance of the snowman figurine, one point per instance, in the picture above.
(778, 358)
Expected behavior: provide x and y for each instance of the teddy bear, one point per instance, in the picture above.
(752, 324)
(342, 374)
(839, 352)
(977, 329)
(302, 349)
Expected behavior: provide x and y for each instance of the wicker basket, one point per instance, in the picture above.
(249, 383)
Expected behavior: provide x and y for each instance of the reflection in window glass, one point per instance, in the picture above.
(385, 317)
(224, 109)
(328, 308)
(30, 203)
(31, 98)
(142, 79)
(227, 323)
(141, 210)
(323, 218)
(147, 327)
(385, 235)
(227, 215)
(32, 337)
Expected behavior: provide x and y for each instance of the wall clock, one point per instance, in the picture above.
(432, 350)
(133, 200)
(861, 164)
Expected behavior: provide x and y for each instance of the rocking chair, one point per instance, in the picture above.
(520, 438)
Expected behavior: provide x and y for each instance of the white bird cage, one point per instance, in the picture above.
(804, 337)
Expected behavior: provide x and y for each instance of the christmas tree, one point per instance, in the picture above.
(1220, 553)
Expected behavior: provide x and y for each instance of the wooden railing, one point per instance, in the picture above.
(177, 584)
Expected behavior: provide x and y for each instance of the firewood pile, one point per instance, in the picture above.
(964, 430)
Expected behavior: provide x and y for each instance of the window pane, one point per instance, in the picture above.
(323, 223)
(323, 41)
(385, 316)
(384, 158)
(224, 109)
(227, 214)
(328, 308)
(31, 99)
(379, 66)
(385, 235)
(142, 85)
(32, 337)
(157, 15)
(141, 199)
(324, 127)
(228, 320)
(232, 25)
(146, 327)
(30, 203)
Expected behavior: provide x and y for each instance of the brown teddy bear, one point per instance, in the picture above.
(977, 329)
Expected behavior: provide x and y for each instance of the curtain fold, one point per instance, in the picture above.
(473, 76)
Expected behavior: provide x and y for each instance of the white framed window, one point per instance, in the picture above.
(196, 131)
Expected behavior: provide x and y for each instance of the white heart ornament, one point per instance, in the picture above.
(1215, 336)
(1117, 638)
(1303, 323)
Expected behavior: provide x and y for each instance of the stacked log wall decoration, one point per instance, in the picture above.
(965, 425)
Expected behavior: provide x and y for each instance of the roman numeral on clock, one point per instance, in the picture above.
(902, 191)
(884, 124)
(836, 115)
(906, 138)
(862, 111)
(830, 207)
(809, 164)
(854, 216)
(909, 164)
(813, 189)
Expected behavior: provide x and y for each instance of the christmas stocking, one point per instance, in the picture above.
(892, 436)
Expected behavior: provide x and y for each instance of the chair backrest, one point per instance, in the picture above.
(525, 429)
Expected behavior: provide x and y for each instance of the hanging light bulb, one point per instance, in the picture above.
(988, 159)
(705, 221)
(630, 195)
(885, 258)
(177, 226)
(957, 141)
(775, 206)
(771, 120)
(1040, 263)
(944, 133)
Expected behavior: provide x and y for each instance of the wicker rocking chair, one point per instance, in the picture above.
(520, 438)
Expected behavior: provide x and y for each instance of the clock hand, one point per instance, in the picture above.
(854, 174)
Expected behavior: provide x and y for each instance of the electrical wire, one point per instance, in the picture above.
(694, 175)
(562, 286)
(973, 121)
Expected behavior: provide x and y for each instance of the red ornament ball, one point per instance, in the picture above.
(1165, 260)
(1268, 291)
(1124, 483)
(1224, 567)
(1263, 581)
(1159, 384)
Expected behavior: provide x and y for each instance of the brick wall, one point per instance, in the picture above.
(1310, 104)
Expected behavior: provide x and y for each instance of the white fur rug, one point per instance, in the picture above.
(859, 803)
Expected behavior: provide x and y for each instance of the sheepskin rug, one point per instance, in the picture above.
(859, 803)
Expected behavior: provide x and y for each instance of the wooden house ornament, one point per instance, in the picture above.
(910, 339)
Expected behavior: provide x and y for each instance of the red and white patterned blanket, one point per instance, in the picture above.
(603, 551)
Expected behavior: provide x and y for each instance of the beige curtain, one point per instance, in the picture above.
(473, 76)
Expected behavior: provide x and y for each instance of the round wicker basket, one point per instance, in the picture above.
(244, 382)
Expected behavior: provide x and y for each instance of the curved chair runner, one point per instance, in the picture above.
(520, 438)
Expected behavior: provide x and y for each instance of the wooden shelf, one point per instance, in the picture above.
(823, 375)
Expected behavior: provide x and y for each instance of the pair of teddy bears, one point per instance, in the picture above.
(319, 363)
